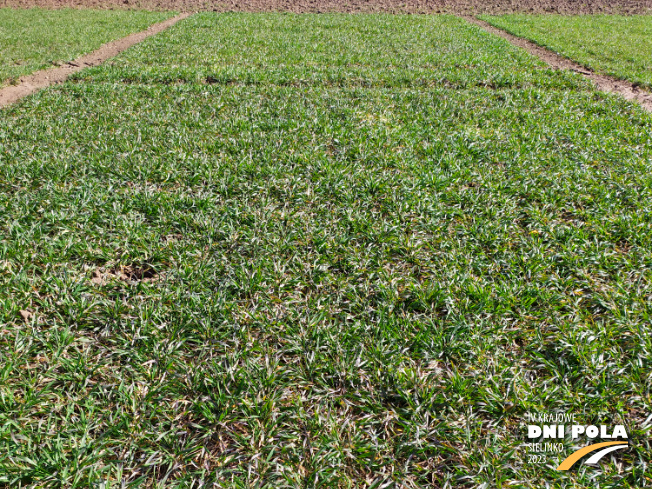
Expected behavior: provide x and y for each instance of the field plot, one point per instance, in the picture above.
(619, 46)
(302, 251)
(36, 38)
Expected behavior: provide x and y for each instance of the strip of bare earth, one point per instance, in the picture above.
(603, 82)
(468, 7)
(44, 78)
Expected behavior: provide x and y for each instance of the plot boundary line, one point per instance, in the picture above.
(604, 83)
(38, 80)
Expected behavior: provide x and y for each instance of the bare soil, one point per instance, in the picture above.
(359, 6)
(44, 78)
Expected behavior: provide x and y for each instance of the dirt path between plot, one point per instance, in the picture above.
(605, 83)
(41, 79)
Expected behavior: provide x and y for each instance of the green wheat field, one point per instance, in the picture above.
(320, 251)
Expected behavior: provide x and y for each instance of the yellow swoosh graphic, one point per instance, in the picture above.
(574, 457)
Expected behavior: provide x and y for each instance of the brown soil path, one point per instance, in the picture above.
(605, 83)
(41, 79)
